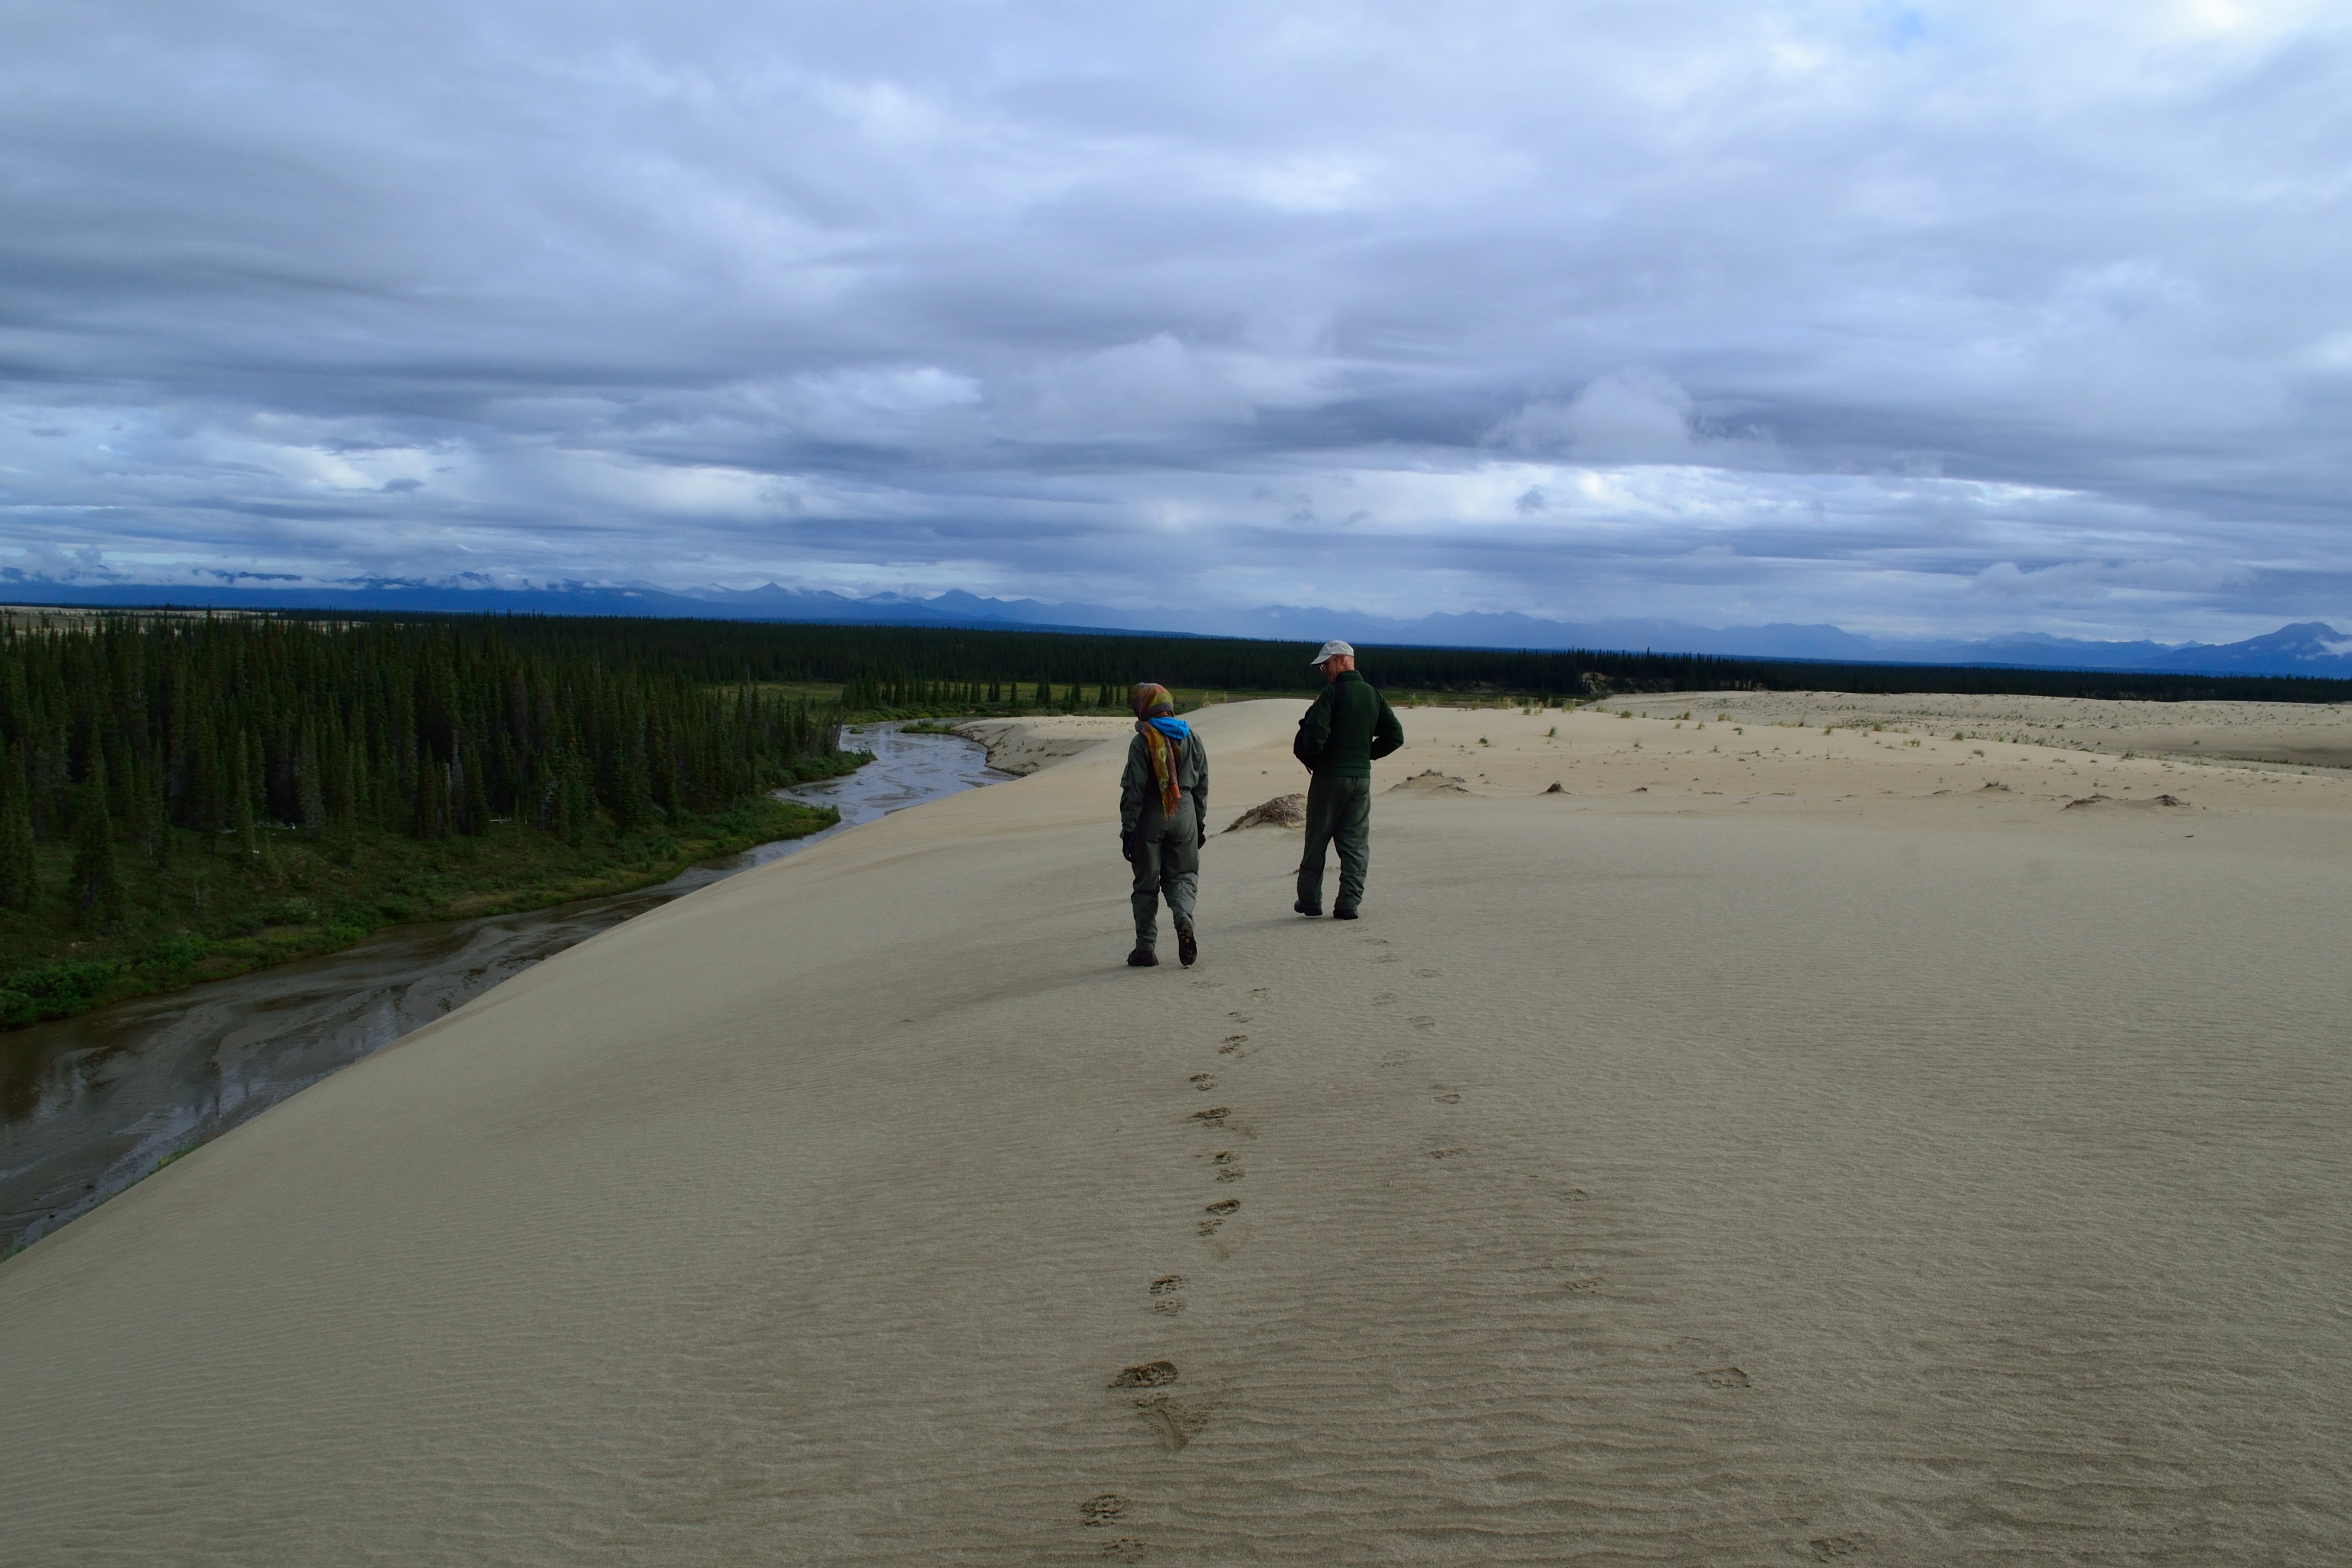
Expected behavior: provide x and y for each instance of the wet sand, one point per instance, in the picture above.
(1772, 1147)
(90, 1104)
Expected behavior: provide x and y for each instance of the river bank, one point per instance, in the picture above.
(93, 1103)
(207, 907)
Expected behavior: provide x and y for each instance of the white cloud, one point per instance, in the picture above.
(1852, 310)
(1626, 416)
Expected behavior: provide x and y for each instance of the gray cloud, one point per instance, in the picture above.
(1929, 318)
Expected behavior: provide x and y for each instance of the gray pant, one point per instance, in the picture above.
(1168, 861)
(1339, 812)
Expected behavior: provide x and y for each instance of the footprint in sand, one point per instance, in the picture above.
(1585, 1286)
(1239, 1018)
(1233, 1046)
(1384, 999)
(1445, 1095)
(1168, 1293)
(1125, 1549)
(1102, 1508)
(1203, 1082)
(1228, 1168)
(1446, 1153)
(1259, 992)
(1212, 1117)
(1146, 1375)
(1429, 974)
(1422, 1021)
(1722, 1377)
(1174, 1421)
(1830, 1548)
(1218, 1214)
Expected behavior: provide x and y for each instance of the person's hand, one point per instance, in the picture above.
(1129, 844)
(1201, 842)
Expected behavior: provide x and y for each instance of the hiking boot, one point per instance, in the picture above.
(1304, 908)
(1345, 913)
(1142, 958)
(1187, 948)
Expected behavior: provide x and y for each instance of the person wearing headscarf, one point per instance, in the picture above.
(1163, 820)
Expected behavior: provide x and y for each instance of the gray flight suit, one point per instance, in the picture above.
(1168, 853)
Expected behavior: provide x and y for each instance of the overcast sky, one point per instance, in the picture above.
(1945, 318)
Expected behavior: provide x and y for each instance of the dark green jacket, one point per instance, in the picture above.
(1350, 724)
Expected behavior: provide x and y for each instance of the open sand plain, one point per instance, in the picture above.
(1773, 1147)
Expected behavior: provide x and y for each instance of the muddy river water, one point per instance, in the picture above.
(90, 1104)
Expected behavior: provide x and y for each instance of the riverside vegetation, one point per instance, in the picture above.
(184, 799)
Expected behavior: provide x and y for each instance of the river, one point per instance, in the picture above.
(90, 1104)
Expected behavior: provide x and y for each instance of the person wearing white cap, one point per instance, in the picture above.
(1350, 725)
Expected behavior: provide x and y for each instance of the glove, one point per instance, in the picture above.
(1130, 844)
(1203, 841)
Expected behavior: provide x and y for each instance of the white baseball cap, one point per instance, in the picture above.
(1331, 650)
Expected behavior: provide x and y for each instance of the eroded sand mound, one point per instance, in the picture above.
(1785, 1164)
(1282, 811)
(1430, 780)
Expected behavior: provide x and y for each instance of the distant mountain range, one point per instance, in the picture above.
(2307, 647)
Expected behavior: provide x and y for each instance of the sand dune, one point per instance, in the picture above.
(2287, 733)
(1775, 1147)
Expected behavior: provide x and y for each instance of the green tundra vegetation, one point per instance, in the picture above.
(185, 798)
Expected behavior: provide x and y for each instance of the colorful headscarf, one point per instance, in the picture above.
(1162, 732)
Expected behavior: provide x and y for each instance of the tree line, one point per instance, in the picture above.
(903, 667)
(124, 732)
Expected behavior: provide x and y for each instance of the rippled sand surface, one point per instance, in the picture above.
(1809, 1155)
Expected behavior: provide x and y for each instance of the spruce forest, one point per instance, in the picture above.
(957, 669)
(182, 797)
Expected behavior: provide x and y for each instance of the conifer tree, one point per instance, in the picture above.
(431, 800)
(238, 818)
(633, 803)
(19, 874)
(575, 814)
(477, 802)
(343, 796)
(155, 823)
(309, 793)
(97, 890)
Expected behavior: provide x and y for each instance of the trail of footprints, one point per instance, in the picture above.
(1149, 1389)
